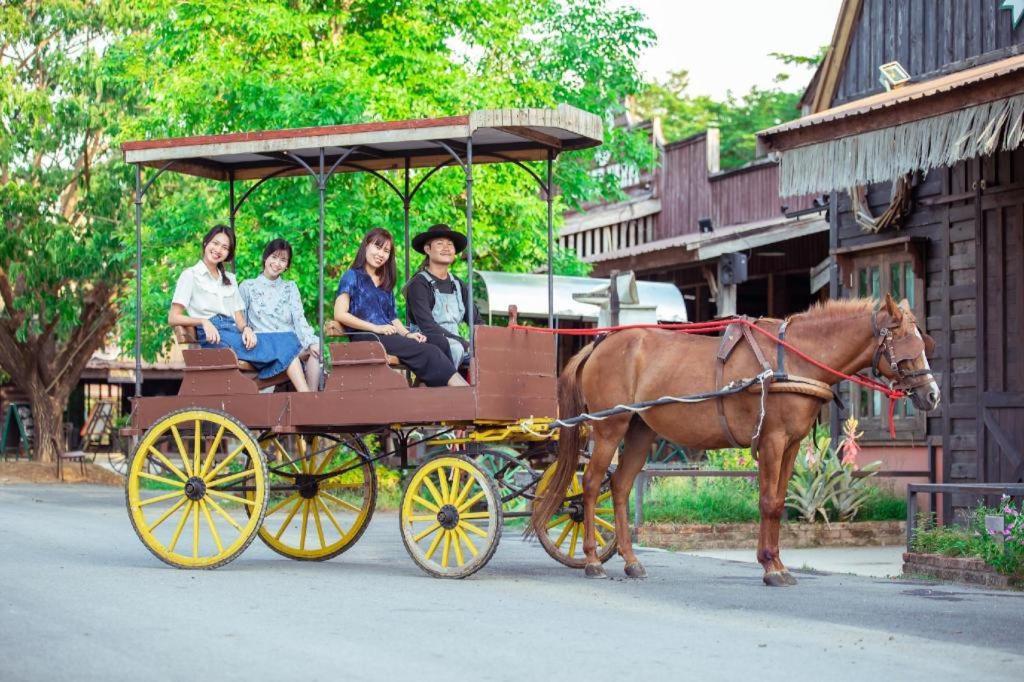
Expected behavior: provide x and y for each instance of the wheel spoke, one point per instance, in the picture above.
(604, 524)
(304, 525)
(212, 453)
(284, 455)
(167, 463)
(472, 528)
(442, 479)
(445, 545)
(438, 499)
(340, 502)
(563, 535)
(232, 478)
(453, 492)
(422, 517)
(464, 493)
(601, 542)
(558, 521)
(197, 446)
(469, 503)
(163, 498)
(475, 515)
(195, 527)
(217, 469)
(168, 513)
(220, 510)
(465, 538)
(233, 498)
(433, 546)
(180, 526)
(161, 479)
(280, 504)
(457, 546)
(426, 533)
(182, 452)
(213, 528)
(429, 505)
(288, 519)
(316, 521)
(330, 516)
(575, 539)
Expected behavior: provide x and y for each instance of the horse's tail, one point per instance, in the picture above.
(570, 404)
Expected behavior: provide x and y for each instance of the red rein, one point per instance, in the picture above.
(720, 325)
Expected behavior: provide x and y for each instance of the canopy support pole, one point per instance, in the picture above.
(469, 244)
(231, 200)
(321, 183)
(138, 280)
(548, 190)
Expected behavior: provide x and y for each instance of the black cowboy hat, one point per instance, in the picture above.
(437, 232)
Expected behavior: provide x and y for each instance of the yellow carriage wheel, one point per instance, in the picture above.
(196, 488)
(322, 495)
(451, 517)
(563, 536)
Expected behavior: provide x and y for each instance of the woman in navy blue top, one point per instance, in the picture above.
(365, 302)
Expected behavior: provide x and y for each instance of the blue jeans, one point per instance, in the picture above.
(271, 355)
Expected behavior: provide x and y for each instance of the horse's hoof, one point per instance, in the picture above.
(778, 579)
(595, 571)
(789, 578)
(636, 570)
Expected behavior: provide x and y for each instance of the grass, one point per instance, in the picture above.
(676, 500)
(719, 500)
(969, 541)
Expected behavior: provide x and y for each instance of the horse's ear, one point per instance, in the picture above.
(890, 307)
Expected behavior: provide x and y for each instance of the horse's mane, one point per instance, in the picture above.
(834, 309)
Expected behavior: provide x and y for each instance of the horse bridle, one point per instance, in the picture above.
(897, 351)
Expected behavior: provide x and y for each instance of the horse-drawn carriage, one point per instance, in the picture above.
(222, 462)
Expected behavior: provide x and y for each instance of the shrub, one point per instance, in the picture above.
(973, 540)
(677, 500)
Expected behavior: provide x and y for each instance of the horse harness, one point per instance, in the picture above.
(778, 380)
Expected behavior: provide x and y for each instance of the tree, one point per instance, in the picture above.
(64, 262)
(737, 117)
(226, 66)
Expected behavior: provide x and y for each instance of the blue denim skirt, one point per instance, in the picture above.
(271, 355)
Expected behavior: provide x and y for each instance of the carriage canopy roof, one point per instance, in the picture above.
(497, 135)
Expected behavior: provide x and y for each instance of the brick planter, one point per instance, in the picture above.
(969, 570)
(794, 535)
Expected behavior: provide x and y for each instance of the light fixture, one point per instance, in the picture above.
(705, 225)
(893, 75)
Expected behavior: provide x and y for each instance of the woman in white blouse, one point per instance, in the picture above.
(206, 297)
(273, 304)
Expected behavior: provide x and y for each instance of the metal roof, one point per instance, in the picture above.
(529, 293)
(905, 94)
(497, 135)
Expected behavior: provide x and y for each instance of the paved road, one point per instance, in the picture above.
(82, 599)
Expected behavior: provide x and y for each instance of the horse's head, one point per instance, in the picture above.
(901, 353)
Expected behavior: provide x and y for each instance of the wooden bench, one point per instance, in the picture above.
(333, 329)
(187, 339)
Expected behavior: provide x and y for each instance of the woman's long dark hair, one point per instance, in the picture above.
(225, 230)
(380, 237)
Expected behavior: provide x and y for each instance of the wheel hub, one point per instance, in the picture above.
(448, 517)
(308, 486)
(195, 488)
(575, 512)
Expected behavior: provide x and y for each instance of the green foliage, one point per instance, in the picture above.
(722, 500)
(973, 540)
(731, 459)
(738, 117)
(881, 505)
(213, 67)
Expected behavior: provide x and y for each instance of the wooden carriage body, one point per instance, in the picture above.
(513, 377)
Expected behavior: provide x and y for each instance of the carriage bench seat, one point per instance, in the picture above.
(333, 328)
(187, 339)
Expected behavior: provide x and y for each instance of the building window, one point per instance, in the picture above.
(872, 276)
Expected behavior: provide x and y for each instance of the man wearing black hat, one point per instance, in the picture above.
(438, 301)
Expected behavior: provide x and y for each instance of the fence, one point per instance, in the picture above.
(982, 490)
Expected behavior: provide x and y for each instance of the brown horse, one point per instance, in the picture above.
(636, 365)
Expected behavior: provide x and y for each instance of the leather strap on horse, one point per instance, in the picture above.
(731, 337)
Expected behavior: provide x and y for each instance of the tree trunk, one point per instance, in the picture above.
(48, 424)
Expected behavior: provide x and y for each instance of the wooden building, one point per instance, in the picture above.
(656, 231)
(926, 184)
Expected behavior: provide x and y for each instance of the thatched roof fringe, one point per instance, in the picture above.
(882, 155)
